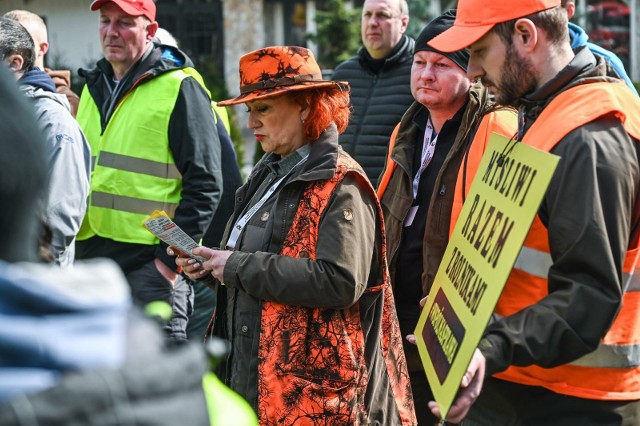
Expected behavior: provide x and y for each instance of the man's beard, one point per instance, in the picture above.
(517, 79)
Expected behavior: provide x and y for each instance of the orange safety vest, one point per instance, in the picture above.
(312, 361)
(612, 371)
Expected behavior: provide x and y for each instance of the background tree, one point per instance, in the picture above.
(420, 15)
(338, 32)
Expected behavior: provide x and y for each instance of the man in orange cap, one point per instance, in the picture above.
(563, 349)
(155, 145)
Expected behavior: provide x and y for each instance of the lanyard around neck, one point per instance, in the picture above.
(428, 149)
(242, 222)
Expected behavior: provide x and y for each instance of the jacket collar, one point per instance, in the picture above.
(400, 53)
(322, 161)
(38, 78)
(477, 106)
(584, 68)
(158, 60)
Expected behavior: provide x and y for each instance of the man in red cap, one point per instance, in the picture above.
(155, 147)
(563, 349)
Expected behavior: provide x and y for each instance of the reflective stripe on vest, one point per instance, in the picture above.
(134, 172)
(131, 205)
(139, 165)
(612, 371)
(537, 263)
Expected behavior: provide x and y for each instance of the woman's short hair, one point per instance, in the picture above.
(326, 106)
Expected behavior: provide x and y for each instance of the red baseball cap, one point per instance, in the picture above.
(131, 7)
(475, 18)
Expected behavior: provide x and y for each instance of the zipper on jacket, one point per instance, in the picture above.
(443, 189)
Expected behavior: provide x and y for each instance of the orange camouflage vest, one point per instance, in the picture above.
(312, 368)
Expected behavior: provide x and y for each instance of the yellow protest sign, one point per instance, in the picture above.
(502, 202)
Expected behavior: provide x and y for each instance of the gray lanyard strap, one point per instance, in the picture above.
(428, 149)
(242, 222)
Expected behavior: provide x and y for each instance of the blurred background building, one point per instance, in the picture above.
(215, 33)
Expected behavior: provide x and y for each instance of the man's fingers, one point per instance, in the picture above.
(423, 301)
(435, 409)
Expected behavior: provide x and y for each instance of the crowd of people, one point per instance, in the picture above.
(299, 304)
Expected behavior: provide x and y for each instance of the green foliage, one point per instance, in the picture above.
(338, 34)
(419, 16)
(637, 85)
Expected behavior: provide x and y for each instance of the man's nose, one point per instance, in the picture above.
(474, 70)
(427, 73)
(110, 28)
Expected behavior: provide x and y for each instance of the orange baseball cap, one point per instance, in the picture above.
(278, 69)
(131, 7)
(475, 18)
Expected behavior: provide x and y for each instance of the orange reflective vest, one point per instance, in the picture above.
(312, 365)
(612, 371)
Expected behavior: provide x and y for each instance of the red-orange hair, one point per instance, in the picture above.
(326, 106)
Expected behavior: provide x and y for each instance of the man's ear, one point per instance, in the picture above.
(571, 9)
(15, 62)
(525, 36)
(44, 48)
(151, 30)
(405, 23)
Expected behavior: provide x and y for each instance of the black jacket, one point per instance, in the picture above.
(378, 99)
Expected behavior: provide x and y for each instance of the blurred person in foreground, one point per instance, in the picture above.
(72, 349)
(563, 346)
(308, 307)
(68, 152)
(450, 120)
(38, 30)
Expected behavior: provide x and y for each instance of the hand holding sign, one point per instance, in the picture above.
(502, 202)
(469, 390)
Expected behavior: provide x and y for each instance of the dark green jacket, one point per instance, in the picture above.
(397, 198)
